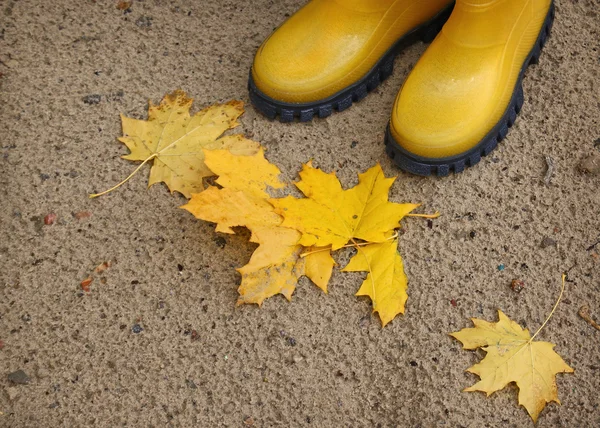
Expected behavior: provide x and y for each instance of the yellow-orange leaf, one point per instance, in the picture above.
(512, 356)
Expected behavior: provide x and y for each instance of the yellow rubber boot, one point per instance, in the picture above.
(465, 91)
(330, 53)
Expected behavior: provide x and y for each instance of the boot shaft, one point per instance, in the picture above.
(485, 23)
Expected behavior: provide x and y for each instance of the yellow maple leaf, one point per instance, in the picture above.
(513, 356)
(229, 208)
(318, 266)
(332, 216)
(386, 283)
(273, 267)
(174, 141)
(252, 174)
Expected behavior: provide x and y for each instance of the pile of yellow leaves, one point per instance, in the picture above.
(295, 236)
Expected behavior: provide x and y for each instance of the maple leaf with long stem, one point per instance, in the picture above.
(174, 141)
(512, 355)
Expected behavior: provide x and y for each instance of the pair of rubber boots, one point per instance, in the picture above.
(456, 104)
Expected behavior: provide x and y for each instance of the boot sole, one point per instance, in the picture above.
(353, 93)
(442, 166)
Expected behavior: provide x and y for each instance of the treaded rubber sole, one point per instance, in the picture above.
(357, 91)
(443, 166)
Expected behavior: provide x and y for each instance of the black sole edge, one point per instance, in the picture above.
(287, 112)
(441, 167)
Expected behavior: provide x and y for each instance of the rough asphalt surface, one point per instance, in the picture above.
(158, 341)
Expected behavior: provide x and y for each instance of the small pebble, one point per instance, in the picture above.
(19, 377)
(92, 99)
(50, 219)
(501, 267)
(82, 214)
(591, 164)
(190, 383)
(517, 285)
(13, 392)
(85, 284)
(102, 267)
(144, 21)
(548, 242)
(123, 5)
(137, 328)
(453, 302)
(220, 241)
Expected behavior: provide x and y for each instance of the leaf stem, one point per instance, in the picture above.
(95, 195)
(553, 309)
(434, 215)
(355, 244)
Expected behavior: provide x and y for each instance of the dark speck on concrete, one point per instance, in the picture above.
(548, 242)
(179, 267)
(190, 383)
(19, 377)
(92, 99)
(353, 144)
(414, 363)
(220, 241)
(44, 177)
(137, 328)
(144, 21)
(291, 341)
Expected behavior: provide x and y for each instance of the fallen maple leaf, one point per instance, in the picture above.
(318, 266)
(386, 283)
(513, 356)
(174, 141)
(252, 173)
(332, 216)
